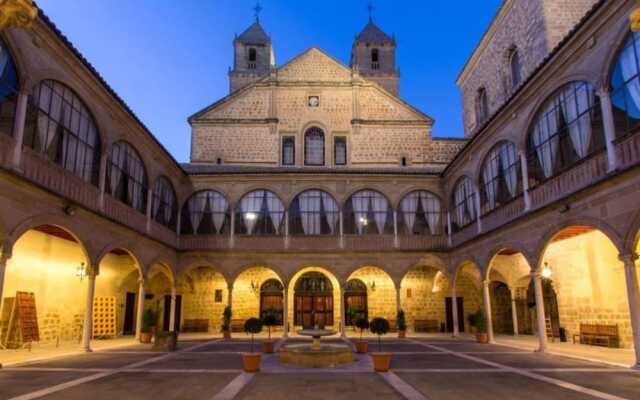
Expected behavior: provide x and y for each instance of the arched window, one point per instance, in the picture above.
(259, 213)
(163, 206)
(355, 298)
(566, 129)
(421, 214)
(313, 300)
(500, 176)
(205, 213)
(8, 90)
(625, 85)
(482, 106)
(314, 146)
(252, 55)
(126, 176)
(375, 59)
(515, 68)
(464, 203)
(314, 212)
(367, 212)
(63, 129)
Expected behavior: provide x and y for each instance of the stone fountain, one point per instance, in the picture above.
(316, 354)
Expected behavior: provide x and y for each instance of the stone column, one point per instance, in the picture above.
(487, 309)
(140, 307)
(454, 312)
(341, 221)
(633, 294)
(232, 231)
(149, 202)
(514, 311)
(542, 332)
(18, 129)
(396, 242)
(478, 217)
(524, 169)
(230, 294)
(286, 229)
(449, 241)
(104, 156)
(398, 291)
(87, 328)
(285, 312)
(343, 310)
(4, 258)
(609, 127)
(172, 311)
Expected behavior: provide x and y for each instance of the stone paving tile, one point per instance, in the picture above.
(476, 347)
(93, 360)
(424, 361)
(315, 386)
(489, 386)
(398, 346)
(199, 361)
(537, 360)
(625, 384)
(147, 386)
(228, 346)
(15, 383)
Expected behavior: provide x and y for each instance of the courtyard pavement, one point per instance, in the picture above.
(421, 368)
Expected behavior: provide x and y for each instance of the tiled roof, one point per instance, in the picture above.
(213, 169)
(372, 34)
(254, 35)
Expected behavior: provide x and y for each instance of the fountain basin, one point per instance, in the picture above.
(305, 355)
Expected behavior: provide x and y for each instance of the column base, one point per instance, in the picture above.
(637, 366)
(88, 350)
(541, 349)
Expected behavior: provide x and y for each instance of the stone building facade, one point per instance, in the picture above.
(318, 172)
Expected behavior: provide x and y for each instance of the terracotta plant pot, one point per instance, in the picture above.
(381, 361)
(402, 334)
(362, 347)
(145, 337)
(226, 334)
(251, 362)
(482, 338)
(267, 346)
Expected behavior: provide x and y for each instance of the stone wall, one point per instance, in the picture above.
(423, 293)
(469, 288)
(198, 289)
(246, 300)
(381, 302)
(118, 275)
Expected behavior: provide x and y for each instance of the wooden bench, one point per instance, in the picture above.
(426, 325)
(237, 325)
(393, 327)
(598, 335)
(195, 325)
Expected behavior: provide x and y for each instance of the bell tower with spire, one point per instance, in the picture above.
(253, 55)
(373, 55)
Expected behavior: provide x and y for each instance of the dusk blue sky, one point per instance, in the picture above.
(169, 58)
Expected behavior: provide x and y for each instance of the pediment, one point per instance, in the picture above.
(314, 65)
(252, 103)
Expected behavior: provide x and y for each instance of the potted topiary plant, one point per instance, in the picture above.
(251, 360)
(226, 322)
(270, 319)
(381, 361)
(353, 313)
(362, 346)
(402, 324)
(477, 321)
(149, 322)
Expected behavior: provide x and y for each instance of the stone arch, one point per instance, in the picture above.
(513, 247)
(423, 292)
(381, 290)
(335, 282)
(305, 188)
(543, 97)
(19, 61)
(127, 247)
(359, 188)
(619, 38)
(632, 235)
(246, 287)
(464, 263)
(485, 154)
(428, 260)
(163, 267)
(395, 204)
(186, 266)
(542, 244)
(66, 224)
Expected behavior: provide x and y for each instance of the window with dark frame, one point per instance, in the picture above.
(8, 90)
(163, 206)
(288, 150)
(314, 146)
(340, 150)
(126, 176)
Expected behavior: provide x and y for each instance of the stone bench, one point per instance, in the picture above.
(426, 325)
(598, 335)
(195, 325)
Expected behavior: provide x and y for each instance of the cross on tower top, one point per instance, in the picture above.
(257, 10)
(370, 8)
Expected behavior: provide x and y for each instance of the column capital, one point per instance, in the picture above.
(486, 282)
(604, 91)
(628, 258)
(141, 281)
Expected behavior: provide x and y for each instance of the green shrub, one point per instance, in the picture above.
(226, 318)
(149, 320)
(270, 319)
(252, 326)
(400, 321)
(477, 320)
(362, 324)
(379, 326)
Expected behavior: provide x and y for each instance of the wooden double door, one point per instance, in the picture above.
(313, 309)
